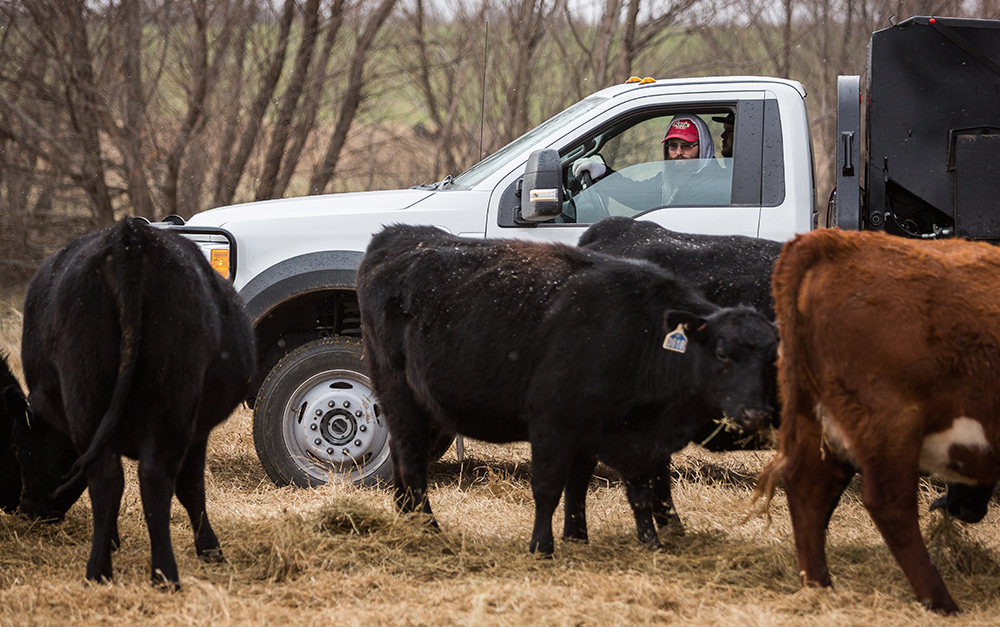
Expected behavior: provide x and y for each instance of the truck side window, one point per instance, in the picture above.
(641, 170)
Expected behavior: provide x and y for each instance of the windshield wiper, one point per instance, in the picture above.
(444, 183)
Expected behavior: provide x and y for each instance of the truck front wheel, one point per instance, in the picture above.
(317, 420)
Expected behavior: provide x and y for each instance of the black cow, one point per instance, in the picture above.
(55, 451)
(132, 345)
(12, 408)
(729, 270)
(506, 340)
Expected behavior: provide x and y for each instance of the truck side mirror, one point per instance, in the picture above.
(541, 192)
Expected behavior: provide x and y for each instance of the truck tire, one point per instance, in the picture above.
(316, 419)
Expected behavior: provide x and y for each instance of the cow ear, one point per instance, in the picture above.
(674, 318)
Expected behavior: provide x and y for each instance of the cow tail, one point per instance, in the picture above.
(797, 257)
(767, 483)
(126, 260)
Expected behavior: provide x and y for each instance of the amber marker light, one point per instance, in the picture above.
(220, 261)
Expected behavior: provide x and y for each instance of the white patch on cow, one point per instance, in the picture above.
(934, 453)
(834, 437)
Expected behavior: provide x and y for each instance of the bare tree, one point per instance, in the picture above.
(353, 96)
(316, 81)
(449, 75)
(204, 67)
(281, 133)
(228, 179)
(152, 107)
(63, 84)
(525, 21)
(131, 135)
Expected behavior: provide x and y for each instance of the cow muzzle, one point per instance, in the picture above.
(751, 419)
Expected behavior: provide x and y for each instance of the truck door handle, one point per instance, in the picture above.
(848, 139)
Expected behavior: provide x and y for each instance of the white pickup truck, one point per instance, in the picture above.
(293, 260)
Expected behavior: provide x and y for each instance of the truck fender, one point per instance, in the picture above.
(298, 275)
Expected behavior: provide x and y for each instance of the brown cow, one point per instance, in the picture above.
(889, 356)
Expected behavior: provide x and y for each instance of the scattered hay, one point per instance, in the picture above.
(953, 548)
(345, 516)
(342, 554)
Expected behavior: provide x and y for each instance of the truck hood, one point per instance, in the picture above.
(310, 206)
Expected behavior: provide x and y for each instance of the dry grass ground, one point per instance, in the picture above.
(338, 555)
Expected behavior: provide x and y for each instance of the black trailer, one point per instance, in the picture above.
(921, 157)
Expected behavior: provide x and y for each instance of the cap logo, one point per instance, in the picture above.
(682, 125)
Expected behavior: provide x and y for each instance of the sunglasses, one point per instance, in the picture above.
(681, 145)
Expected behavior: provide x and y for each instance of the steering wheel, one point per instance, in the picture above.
(586, 182)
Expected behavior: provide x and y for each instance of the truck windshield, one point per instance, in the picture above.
(479, 172)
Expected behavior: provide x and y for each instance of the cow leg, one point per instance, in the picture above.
(190, 490)
(159, 466)
(410, 428)
(640, 492)
(890, 496)
(411, 479)
(664, 514)
(106, 483)
(551, 461)
(575, 497)
(814, 482)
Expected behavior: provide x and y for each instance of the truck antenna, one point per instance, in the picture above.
(482, 108)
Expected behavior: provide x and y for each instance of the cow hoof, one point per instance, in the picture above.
(162, 585)
(947, 608)
(211, 556)
(541, 549)
(653, 545)
(426, 521)
(672, 527)
(98, 580)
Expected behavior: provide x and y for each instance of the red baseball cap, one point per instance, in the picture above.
(683, 129)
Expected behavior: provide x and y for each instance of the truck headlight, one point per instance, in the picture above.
(217, 244)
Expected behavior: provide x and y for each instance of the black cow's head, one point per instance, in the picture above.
(33, 457)
(734, 353)
(12, 409)
(45, 456)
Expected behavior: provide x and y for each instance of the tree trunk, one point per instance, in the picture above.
(290, 102)
(229, 179)
(352, 98)
(85, 105)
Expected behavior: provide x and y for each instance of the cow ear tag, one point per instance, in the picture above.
(676, 340)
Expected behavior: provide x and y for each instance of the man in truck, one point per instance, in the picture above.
(728, 122)
(703, 182)
(690, 140)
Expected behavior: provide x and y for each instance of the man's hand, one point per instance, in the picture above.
(593, 165)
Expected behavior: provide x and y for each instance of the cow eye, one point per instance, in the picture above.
(720, 354)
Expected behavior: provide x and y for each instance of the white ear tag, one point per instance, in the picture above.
(676, 340)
